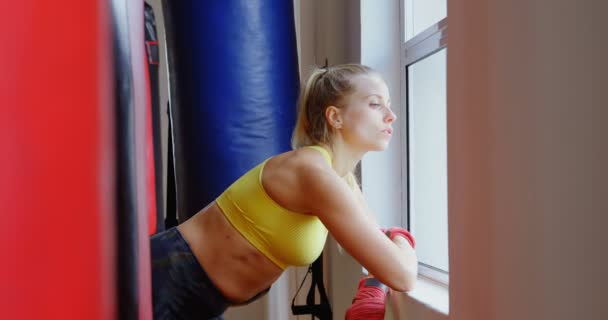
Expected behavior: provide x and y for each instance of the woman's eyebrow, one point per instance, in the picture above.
(379, 96)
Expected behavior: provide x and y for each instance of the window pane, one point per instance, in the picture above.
(421, 14)
(428, 159)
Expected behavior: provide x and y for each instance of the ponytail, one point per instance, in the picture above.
(300, 135)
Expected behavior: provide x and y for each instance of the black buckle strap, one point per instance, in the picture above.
(322, 310)
(373, 282)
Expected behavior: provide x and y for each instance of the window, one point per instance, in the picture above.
(420, 15)
(423, 65)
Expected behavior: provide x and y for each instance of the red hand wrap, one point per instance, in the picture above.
(368, 303)
(397, 231)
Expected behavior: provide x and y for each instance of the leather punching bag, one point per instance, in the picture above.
(131, 102)
(57, 165)
(234, 85)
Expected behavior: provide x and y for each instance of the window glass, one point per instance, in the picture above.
(428, 159)
(421, 14)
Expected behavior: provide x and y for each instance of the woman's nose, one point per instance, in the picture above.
(390, 116)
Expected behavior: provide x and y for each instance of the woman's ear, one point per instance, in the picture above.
(334, 117)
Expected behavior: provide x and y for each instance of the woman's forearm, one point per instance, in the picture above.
(410, 260)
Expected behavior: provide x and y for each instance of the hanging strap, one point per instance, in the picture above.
(322, 310)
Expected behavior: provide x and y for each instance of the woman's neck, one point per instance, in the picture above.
(343, 159)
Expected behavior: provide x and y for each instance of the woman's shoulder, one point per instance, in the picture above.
(300, 164)
(305, 159)
(319, 186)
(289, 175)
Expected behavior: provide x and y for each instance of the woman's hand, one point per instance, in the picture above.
(393, 232)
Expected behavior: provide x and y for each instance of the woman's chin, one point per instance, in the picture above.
(380, 146)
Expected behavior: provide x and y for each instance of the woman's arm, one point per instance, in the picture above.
(346, 217)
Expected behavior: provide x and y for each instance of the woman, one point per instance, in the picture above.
(279, 213)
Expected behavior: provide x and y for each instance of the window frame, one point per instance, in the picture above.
(422, 45)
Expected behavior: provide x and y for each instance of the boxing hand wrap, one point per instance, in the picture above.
(369, 301)
(397, 231)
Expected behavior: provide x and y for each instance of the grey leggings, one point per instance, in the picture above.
(181, 288)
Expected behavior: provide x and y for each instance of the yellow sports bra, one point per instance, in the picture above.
(285, 237)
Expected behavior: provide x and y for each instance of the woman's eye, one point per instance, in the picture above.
(375, 105)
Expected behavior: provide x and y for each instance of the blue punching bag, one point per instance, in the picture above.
(234, 85)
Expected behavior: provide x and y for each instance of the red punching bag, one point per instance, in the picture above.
(57, 164)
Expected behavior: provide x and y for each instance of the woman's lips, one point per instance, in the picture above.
(388, 131)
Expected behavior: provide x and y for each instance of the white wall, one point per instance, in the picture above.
(524, 232)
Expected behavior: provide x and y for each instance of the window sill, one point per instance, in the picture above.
(428, 301)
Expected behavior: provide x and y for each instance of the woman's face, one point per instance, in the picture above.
(366, 114)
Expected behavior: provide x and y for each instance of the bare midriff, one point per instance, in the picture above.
(236, 267)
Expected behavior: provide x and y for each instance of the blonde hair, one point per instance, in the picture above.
(323, 88)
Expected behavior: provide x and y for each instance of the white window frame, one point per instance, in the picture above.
(422, 45)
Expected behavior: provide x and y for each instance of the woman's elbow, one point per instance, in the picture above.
(405, 282)
(408, 284)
